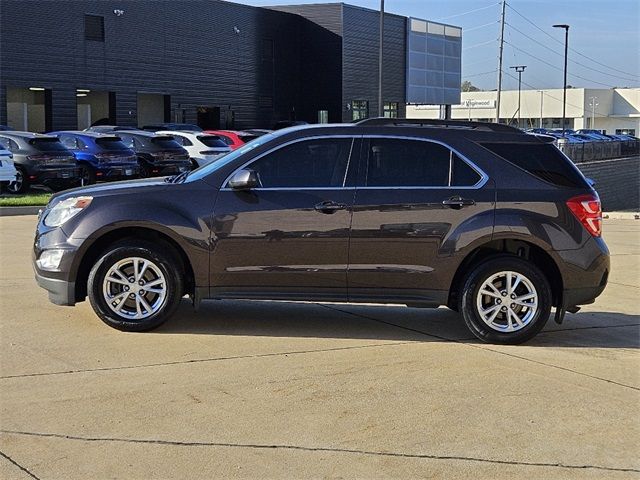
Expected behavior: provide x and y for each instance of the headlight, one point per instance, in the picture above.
(65, 210)
(50, 259)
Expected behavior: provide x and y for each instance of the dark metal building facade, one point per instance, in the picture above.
(216, 63)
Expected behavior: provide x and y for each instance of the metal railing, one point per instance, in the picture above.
(598, 150)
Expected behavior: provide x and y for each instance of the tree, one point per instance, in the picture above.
(467, 86)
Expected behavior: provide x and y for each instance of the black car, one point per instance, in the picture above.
(40, 160)
(184, 127)
(158, 155)
(492, 222)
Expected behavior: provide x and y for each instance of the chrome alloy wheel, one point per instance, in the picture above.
(507, 301)
(16, 185)
(134, 288)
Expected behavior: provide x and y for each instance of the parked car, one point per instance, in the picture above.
(257, 132)
(595, 135)
(485, 219)
(202, 148)
(158, 155)
(110, 129)
(39, 160)
(100, 156)
(235, 139)
(7, 168)
(186, 127)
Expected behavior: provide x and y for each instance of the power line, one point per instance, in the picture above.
(572, 49)
(465, 30)
(478, 45)
(556, 67)
(479, 74)
(573, 61)
(542, 90)
(467, 13)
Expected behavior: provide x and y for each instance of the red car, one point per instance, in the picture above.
(233, 138)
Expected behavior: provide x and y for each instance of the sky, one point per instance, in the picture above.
(604, 38)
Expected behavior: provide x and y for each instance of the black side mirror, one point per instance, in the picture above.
(244, 179)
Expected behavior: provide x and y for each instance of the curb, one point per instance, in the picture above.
(15, 211)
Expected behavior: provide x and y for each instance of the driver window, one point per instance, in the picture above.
(308, 163)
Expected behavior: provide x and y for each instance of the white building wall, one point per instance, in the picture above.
(615, 109)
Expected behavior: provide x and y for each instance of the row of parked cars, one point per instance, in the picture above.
(63, 159)
(586, 144)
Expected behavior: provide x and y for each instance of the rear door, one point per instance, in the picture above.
(289, 237)
(417, 203)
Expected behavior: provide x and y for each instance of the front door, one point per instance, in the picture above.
(413, 200)
(289, 237)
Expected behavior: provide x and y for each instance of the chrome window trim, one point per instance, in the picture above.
(484, 178)
(353, 138)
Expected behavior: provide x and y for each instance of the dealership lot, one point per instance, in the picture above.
(281, 390)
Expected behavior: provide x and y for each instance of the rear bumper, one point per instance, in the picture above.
(61, 292)
(53, 176)
(120, 171)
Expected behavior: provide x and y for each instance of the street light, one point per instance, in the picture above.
(564, 92)
(519, 69)
(593, 104)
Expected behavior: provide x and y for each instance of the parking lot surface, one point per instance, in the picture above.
(284, 390)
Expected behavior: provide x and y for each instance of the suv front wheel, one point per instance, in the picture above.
(505, 299)
(136, 286)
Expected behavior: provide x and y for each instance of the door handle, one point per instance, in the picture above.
(329, 207)
(458, 202)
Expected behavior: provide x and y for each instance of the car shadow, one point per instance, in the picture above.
(385, 322)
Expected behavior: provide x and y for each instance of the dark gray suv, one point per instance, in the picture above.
(489, 221)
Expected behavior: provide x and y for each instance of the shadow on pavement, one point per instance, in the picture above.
(397, 323)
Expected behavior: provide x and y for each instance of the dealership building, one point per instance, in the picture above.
(67, 65)
(615, 110)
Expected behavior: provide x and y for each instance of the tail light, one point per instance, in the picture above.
(588, 211)
(45, 159)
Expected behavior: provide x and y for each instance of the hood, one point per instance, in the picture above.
(117, 188)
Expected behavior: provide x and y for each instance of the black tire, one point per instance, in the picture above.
(468, 300)
(163, 258)
(21, 185)
(87, 174)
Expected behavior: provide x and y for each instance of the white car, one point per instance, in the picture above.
(7, 169)
(202, 147)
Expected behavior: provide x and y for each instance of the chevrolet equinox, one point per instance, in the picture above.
(494, 223)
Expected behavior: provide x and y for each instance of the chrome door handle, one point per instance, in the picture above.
(329, 207)
(458, 202)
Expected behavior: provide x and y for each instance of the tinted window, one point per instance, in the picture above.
(94, 28)
(47, 145)
(112, 143)
(311, 163)
(542, 160)
(128, 141)
(226, 139)
(212, 141)
(408, 163)
(6, 144)
(165, 142)
(68, 142)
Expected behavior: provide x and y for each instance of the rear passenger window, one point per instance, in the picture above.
(415, 163)
(305, 164)
(541, 160)
(69, 142)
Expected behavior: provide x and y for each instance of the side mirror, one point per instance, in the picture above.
(244, 179)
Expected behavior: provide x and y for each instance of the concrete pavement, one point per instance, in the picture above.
(282, 390)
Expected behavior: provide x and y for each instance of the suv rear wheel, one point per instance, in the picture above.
(505, 299)
(136, 286)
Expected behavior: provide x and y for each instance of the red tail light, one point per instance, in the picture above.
(588, 211)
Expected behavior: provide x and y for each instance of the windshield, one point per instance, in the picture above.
(208, 169)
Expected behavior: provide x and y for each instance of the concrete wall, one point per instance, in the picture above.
(617, 182)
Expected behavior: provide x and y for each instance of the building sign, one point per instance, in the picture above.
(466, 105)
(434, 63)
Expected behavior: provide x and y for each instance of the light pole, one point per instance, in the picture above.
(519, 69)
(541, 100)
(380, 109)
(593, 105)
(564, 90)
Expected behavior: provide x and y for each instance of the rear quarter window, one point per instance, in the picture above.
(544, 161)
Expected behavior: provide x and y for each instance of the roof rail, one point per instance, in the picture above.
(425, 122)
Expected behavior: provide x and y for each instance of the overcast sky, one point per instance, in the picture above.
(605, 31)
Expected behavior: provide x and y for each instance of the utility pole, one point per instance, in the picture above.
(541, 100)
(594, 104)
(380, 109)
(519, 69)
(564, 91)
(500, 62)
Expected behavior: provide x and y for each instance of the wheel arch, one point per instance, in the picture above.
(517, 247)
(94, 250)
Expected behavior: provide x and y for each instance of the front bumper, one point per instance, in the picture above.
(61, 292)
